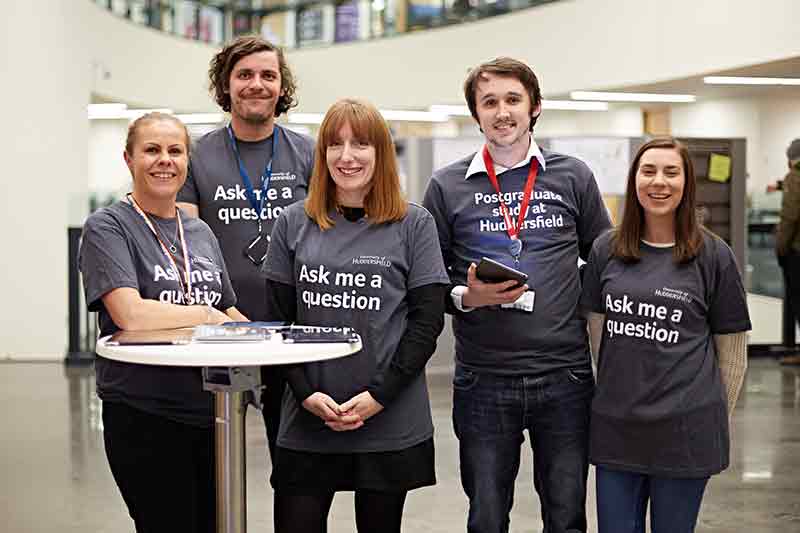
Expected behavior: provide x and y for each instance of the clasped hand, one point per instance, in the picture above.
(480, 293)
(343, 417)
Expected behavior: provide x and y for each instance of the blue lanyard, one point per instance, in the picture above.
(266, 177)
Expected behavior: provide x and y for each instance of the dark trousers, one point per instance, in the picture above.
(491, 412)
(271, 401)
(622, 499)
(164, 470)
(790, 264)
(376, 512)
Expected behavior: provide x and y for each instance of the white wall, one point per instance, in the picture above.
(624, 121)
(780, 124)
(571, 44)
(735, 117)
(769, 124)
(44, 63)
(138, 65)
(108, 173)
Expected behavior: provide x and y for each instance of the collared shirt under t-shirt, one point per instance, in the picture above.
(566, 213)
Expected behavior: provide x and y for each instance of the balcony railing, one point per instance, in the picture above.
(304, 23)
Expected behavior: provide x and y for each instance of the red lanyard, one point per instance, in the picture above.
(511, 228)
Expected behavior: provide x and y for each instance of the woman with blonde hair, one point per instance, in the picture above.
(356, 254)
(146, 265)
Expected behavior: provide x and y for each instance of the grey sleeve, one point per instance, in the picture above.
(435, 204)
(228, 295)
(426, 255)
(728, 309)
(189, 192)
(593, 217)
(591, 294)
(279, 265)
(104, 259)
(310, 162)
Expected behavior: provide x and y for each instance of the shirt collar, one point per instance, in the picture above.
(477, 165)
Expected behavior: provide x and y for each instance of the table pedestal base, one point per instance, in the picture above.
(231, 386)
(230, 469)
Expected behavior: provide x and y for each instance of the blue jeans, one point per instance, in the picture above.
(622, 502)
(490, 413)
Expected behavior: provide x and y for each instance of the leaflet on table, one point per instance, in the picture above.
(261, 331)
(311, 334)
(151, 338)
(239, 332)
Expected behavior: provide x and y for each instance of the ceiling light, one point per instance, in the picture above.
(413, 116)
(632, 97)
(574, 105)
(201, 118)
(119, 112)
(133, 114)
(562, 105)
(306, 118)
(388, 114)
(451, 110)
(746, 80)
(98, 111)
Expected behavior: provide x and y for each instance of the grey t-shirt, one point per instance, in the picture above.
(215, 186)
(659, 407)
(356, 274)
(118, 250)
(565, 215)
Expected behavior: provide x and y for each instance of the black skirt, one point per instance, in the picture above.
(394, 471)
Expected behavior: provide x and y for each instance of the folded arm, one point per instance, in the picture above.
(130, 311)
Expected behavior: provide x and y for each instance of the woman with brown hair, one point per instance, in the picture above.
(146, 265)
(668, 321)
(356, 254)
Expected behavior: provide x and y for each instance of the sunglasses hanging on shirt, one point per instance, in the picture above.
(256, 250)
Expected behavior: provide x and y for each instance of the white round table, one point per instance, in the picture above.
(241, 374)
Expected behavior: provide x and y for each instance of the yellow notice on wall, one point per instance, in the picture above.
(719, 168)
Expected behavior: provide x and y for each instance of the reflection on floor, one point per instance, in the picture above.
(54, 476)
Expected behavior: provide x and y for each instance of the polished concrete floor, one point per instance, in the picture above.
(54, 476)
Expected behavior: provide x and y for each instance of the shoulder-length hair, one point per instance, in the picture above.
(384, 202)
(688, 232)
(221, 66)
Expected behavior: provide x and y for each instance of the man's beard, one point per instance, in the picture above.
(256, 119)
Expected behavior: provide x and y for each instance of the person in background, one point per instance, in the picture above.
(356, 254)
(243, 175)
(787, 236)
(146, 265)
(668, 320)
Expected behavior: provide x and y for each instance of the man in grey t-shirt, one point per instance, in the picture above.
(522, 359)
(242, 176)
